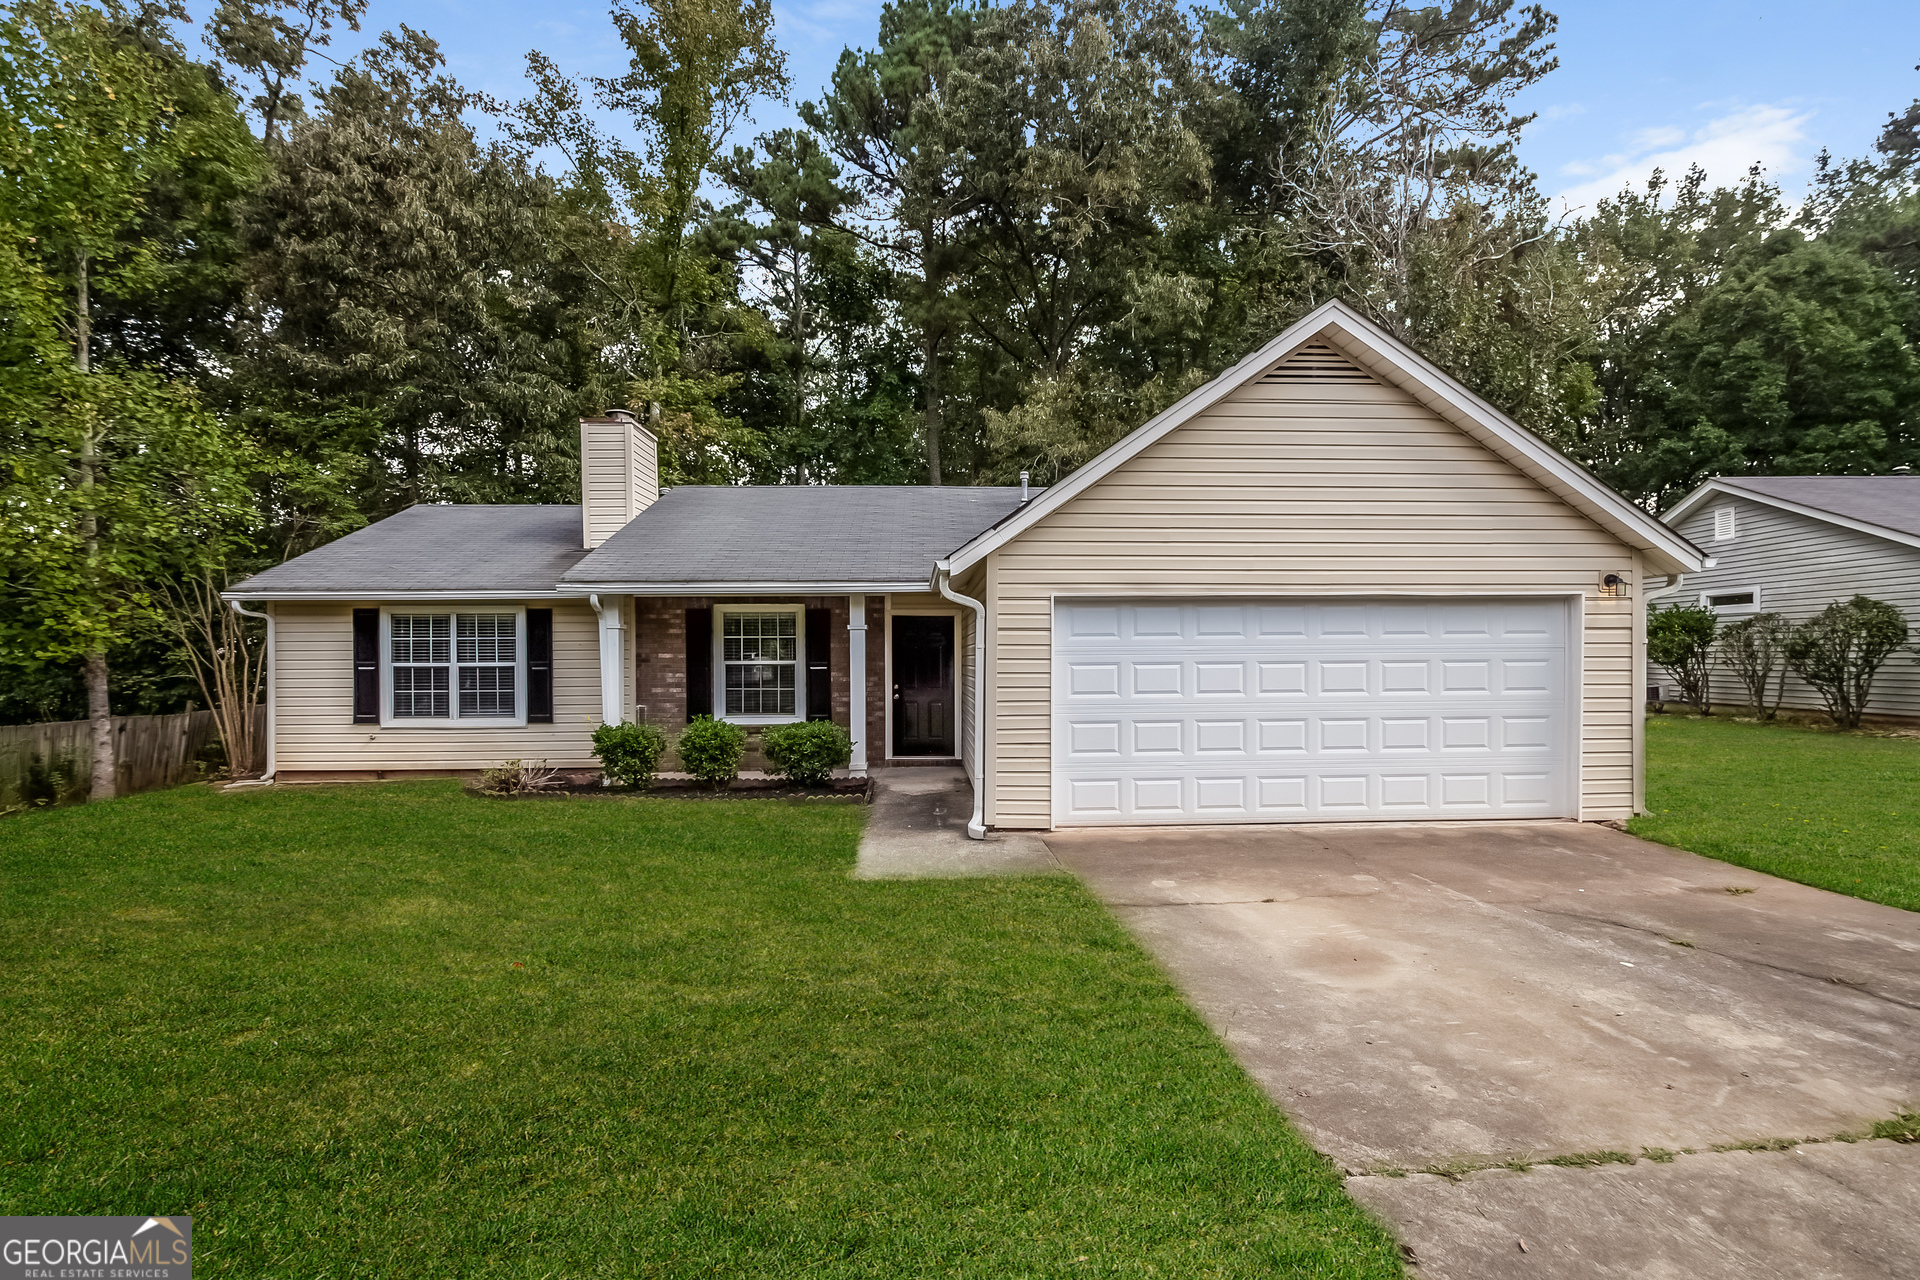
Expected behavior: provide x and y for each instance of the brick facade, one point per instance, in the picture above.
(660, 661)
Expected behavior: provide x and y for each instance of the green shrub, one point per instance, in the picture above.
(710, 750)
(1754, 648)
(1680, 638)
(630, 753)
(1839, 649)
(807, 753)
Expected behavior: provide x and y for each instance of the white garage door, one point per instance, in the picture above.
(1278, 711)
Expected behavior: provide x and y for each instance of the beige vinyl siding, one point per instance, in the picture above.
(1344, 487)
(619, 476)
(314, 701)
(1800, 565)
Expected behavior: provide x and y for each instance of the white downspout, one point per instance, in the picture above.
(612, 674)
(273, 680)
(942, 579)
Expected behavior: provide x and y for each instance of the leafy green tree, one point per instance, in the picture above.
(884, 119)
(111, 476)
(1795, 362)
(407, 339)
(1078, 151)
(794, 186)
(267, 45)
(1840, 649)
(667, 320)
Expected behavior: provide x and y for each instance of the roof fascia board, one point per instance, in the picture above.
(1732, 489)
(425, 597)
(1404, 366)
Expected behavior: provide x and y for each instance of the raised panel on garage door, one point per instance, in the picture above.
(1271, 711)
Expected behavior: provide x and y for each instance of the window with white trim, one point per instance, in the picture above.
(1726, 524)
(1732, 600)
(760, 664)
(454, 666)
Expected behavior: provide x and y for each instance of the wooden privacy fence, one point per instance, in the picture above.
(53, 763)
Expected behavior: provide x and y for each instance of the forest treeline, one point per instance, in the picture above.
(259, 294)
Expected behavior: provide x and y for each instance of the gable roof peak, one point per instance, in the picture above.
(1336, 330)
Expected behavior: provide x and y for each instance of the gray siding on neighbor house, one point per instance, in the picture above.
(1798, 565)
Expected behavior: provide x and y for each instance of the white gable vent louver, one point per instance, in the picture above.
(1317, 362)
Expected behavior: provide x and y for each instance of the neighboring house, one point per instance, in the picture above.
(1330, 584)
(1793, 545)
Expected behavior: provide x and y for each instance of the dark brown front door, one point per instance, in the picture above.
(922, 686)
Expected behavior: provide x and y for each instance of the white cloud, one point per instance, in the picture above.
(1772, 137)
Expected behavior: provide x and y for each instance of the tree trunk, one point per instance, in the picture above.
(82, 307)
(100, 712)
(930, 388)
(99, 709)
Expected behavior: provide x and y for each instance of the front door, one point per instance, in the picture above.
(923, 686)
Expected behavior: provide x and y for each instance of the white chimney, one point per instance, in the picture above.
(619, 474)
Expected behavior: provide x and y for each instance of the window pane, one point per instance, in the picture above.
(760, 637)
(486, 691)
(487, 637)
(760, 689)
(421, 637)
(420, 693)
(1738, 597)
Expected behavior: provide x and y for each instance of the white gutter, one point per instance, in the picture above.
(1679, 581)
(273, 679)
(942, 576)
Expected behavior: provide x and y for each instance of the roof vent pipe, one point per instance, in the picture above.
(1023, 486)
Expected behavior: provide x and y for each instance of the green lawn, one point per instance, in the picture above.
(398, 1031)
(1837, 810)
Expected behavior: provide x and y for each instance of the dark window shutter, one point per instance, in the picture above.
(819, 673)
(699, 663)
(366, 666)
(539, 666)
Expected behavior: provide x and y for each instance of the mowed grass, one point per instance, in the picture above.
(1836, 810)
(398, 1031)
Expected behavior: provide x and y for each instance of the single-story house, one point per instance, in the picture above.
(1331, 584)
(1793, 545)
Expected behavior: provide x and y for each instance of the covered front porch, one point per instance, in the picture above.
(886, 666)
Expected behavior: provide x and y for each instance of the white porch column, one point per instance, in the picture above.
(857, 683)
(612, 657)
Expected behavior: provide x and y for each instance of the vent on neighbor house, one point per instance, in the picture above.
(1317, 362)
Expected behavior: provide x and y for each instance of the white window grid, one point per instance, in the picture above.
(444, 667)
(761, 657)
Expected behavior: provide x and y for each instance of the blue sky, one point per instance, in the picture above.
(1642, 82)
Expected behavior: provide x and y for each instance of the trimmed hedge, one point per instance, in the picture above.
(806, 753)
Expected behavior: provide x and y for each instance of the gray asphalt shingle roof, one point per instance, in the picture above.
(1892, 502)
(521, 548)
(795, 533)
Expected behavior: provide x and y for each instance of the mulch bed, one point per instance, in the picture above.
(848, 790)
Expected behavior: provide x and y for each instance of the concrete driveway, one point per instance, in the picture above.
(1448, 998)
